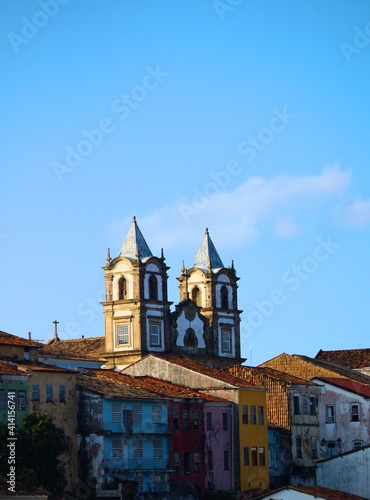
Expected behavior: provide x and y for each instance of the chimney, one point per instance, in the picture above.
(29, 336)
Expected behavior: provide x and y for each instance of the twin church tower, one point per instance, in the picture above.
(205, 324)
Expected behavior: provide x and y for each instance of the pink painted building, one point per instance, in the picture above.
(219, 446)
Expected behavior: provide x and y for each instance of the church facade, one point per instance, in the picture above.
(138, 319)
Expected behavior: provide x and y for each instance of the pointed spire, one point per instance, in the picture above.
(207, 257)
(135, 245)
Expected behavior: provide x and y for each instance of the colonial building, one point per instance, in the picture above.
(52, 391)
(344, 415)
(150, 436)
(14, 348)
(123, 434)
(249, 445)
(13, 393)
(292, 404)
(138, 320)
(200, 440)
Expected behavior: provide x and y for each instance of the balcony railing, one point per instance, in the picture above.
(142, 428)
(139, 464)
(101, 492)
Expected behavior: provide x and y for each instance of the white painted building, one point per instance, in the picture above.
(344, 415)
(308, 493)
(348, 472)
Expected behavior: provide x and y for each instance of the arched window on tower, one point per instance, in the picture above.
(122, 288)
(196, 296)
(153, 287)
(224, 297)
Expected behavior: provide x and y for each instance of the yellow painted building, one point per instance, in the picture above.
(253, 443)
(16, 348)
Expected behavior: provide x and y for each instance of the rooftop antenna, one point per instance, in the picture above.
(35, 340)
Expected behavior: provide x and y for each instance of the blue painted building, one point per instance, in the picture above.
(123, 434)
(280, 457)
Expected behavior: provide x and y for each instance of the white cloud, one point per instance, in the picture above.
(358, 214)
(235, 217)
(285, 227)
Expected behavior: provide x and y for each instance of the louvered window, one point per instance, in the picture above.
(157, 448)
(116, 412)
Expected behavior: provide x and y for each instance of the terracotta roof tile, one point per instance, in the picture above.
(351, 358)
(9, 339)
(170, 390)
(8, 368)
(84, 348)
(116, 384)
(278, 386)
(253, 374)
(328, 493)
(308, 368)
(314, 491)
(33, 366)
(113, 384)
(198, 367)
(348, 385)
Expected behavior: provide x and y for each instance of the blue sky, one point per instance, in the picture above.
(249, 117)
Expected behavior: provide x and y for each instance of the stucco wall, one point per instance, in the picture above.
(218, 441)
(349, 473)
(13, 384)
(63, 413)
(343, 427)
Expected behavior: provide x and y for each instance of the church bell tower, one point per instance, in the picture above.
(136, 307)
(213, 288)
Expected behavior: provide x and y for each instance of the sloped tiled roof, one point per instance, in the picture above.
(308, 368)
(24, 367)
(84, 348)
(170, 390)
(315, 492)
(261, 372)
(113, 384)
(328, 493)
(8, 368)
(348, 385)
(198, 367)
(33, 366)
(350, 358)
(278, 385)
(9, 339)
